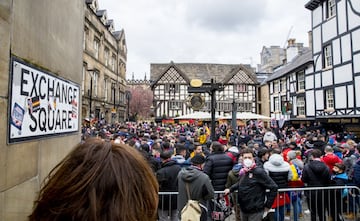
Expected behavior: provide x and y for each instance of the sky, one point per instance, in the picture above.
(205, 31)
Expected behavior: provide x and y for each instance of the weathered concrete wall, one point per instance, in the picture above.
(49, 35)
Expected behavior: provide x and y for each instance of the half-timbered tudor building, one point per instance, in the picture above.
(288, 91)
(335, 94)
(169, 83)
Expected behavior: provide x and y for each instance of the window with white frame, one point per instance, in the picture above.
(300, 103)
(175, 105)
(241, 88)
(276, 86)
(276, 104)
(171, 88)
(327, 56)
(283, 84)
(106, 56)
(330, 8)
(301, 81)
(329, 99)
(96, 47)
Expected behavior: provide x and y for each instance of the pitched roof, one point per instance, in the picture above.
(313, 4)
(204, 71)
(297, 62)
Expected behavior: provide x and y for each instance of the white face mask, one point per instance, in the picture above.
(248, 163)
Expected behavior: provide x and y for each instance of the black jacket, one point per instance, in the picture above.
(316, 173)
(167, 178)
(252, 188)
(217, 167)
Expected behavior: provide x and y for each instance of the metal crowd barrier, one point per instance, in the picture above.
(301, 204)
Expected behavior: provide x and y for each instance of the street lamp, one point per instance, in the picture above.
(90, 90)
(128, 98)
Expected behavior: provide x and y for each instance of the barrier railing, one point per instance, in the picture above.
(296, 204)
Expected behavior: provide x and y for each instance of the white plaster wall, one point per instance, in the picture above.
(295, 105)
(310, 103)
(329, 29)
(357, 90)
(354, 20)
(318, 62)
(341, 16)
(327, 78)
(342, 74)
(309, 82)
(319, 99)
(309, 69)
(356, 63)
(346, 48)
(336, 51)
(340, 94)
(317, 16)
(292, 87)
(356, 40)
(350, 96)
(271, 103)
(317, 39)
(317, 80)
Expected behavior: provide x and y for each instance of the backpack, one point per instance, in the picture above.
(193, 210)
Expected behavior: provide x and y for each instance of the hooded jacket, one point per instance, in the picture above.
(199, 185)
(278, 170)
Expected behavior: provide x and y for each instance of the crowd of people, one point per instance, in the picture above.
(248, 163)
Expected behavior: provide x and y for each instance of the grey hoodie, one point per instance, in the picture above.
(199, 185)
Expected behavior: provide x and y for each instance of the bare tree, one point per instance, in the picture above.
(140, 103)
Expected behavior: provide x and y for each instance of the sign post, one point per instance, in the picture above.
(210, 88)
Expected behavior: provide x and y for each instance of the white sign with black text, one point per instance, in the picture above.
(41, 104)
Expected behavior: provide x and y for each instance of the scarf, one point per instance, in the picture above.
(244, 170)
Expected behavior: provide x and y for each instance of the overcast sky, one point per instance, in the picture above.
(204, 31)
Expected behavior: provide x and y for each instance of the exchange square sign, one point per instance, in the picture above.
(40, 103)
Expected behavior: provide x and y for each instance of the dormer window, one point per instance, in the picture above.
(330, 8)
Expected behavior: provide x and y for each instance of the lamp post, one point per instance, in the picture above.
(233, 117)
(90, 90)
(128, 98)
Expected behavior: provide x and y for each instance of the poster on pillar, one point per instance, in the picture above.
(40, 103)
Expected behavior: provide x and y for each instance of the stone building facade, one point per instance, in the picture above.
(104, 66)
(31, 32)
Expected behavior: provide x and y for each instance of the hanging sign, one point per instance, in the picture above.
(40, 104)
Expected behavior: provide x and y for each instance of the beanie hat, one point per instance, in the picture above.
(198, 159)
(234, 149)
(291, 154)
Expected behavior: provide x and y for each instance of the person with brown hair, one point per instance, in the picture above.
(99, 181)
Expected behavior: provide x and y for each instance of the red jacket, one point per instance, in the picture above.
(330, 159)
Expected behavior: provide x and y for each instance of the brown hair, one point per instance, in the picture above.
(99, 181)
